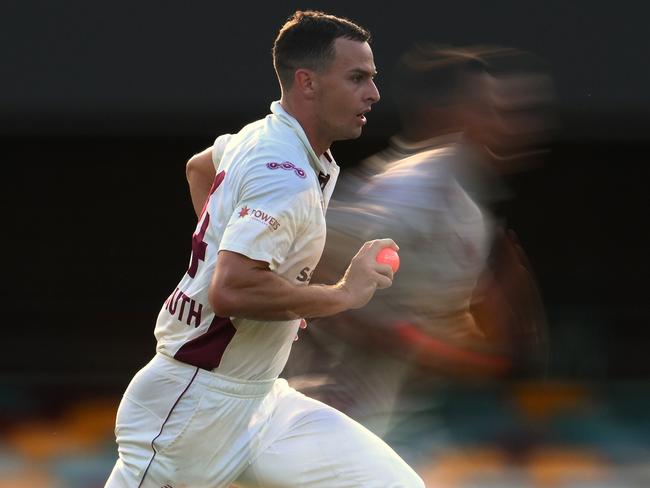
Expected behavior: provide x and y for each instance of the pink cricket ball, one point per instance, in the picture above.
(390, 257)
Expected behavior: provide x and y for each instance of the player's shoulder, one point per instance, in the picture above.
(280, 160)
(280, 172)
(433, 166)
(263, 154)
(269, 170)
(437, 156)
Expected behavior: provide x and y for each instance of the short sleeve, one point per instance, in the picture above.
(273, 206)
(218, 148)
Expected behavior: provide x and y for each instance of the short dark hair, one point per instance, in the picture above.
(306, 40)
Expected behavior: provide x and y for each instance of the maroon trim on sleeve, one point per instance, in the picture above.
(206, 350)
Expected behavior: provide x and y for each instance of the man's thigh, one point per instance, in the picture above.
(322, 448)
(172, 430)
(155, 411)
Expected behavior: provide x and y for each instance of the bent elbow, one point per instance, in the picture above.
(191, 167)
(222, 302)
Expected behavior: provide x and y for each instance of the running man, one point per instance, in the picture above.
(209, 409)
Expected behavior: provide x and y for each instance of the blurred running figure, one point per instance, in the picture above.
(209, 409)
(463, 303)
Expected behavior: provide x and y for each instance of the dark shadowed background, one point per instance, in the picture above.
(102, 103)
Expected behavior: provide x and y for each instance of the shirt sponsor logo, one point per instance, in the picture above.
(288, 166)
(305, 275)
(260, 216)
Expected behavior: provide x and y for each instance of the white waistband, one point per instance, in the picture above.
(230, 386)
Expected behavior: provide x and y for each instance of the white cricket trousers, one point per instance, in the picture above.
(179, 426)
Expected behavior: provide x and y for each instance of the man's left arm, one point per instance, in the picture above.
(201, 169)
(200, 173)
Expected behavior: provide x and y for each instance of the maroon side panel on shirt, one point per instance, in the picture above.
(207, 350)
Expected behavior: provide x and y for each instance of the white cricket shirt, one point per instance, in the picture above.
(267, 204)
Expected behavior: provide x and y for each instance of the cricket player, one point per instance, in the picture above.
(209, 409)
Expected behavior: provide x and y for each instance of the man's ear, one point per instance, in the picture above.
(306, 82)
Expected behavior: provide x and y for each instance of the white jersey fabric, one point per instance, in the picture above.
(267, 204)
(208, 410)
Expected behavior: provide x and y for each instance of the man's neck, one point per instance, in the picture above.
(307, 121)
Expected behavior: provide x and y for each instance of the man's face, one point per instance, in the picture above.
(346, 90)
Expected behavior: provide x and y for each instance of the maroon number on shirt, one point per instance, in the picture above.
(199, 246)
